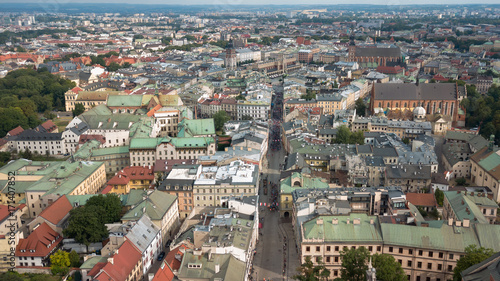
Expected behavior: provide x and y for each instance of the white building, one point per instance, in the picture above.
(146, 237)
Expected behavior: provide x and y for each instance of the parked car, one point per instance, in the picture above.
(161, 256)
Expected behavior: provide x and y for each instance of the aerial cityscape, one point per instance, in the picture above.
(245, 141)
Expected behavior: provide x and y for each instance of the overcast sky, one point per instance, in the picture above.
(263, 2)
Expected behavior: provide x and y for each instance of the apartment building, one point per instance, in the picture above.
(425, 252)
(215, 182)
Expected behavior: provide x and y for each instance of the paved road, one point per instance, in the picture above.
(274, 261)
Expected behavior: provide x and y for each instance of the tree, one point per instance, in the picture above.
(439, 194)
(11, 276)
(354, 264)
(110, 203)
(310, 272)
(86, 225)
(220, 118)
(461, 181)
(240, 97)
(74, 259)
(79, 109)
(388, 269)
(113, 67)
(60, 262)
(473, 255)
(422, 211)
(11, 118)
(360, 107)
(246, 117)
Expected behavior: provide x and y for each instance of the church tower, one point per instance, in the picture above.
(230, 60)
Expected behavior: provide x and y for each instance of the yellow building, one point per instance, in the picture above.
(135, 177)
(296, 181)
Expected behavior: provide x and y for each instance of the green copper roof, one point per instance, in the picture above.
(144, 143)
(110, 150)
(343, 231)
(307, 183)
(156, 206)
(124, 101)
(196, 127)
(447, 238)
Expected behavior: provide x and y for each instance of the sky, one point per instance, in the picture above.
(262, 2)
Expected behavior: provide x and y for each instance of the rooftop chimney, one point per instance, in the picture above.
(335, 221)
(348, 221)
(356, 221)
(450, 221)
(217, 268)
(110, 260)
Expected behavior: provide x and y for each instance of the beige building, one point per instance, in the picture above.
(472, 206)
(485, 170)
(88, 99)
(42, 183)
(425, 253)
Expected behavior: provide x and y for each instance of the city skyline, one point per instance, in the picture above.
(266, 3)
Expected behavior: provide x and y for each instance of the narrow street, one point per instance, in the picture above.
(276, 257)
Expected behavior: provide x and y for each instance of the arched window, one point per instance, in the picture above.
(379, 104)
(413, 104)
(397, 104)
(406, 105)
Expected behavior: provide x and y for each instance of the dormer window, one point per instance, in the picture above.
(22, 251)
(32, 251)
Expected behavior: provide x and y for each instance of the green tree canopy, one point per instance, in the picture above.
(110, 203)
(388, 269)
(310, 272)
(473, 255)
(360, 107)
(79, 109)
(86, 225)
(354, 264)
(220, 118)
(60, 262)
(439, 194)
(345, 136)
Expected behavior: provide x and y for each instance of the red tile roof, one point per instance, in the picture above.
(16, 131)
(5, 212)
(132, 173)
(86, 138)
(49, 126)
(123, 263)
(39, 243)
(55, 212)
(174, 263)
(153, 110)
(422, 199)
(164, 273)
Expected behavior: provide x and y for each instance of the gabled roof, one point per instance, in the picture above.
(122, 263)
(39, 243)
(16, 131)
(156, 206)
(422, 199)
(164, 273)
(55, 212)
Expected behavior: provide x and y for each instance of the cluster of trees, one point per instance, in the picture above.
(220, 118)
(345, 136)
(87, 223)
(8, 36)
(483, 111)
(222, 44)
(15, 276)
(25, 93)
(61, 261)
(187, 47)
(360, 107)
